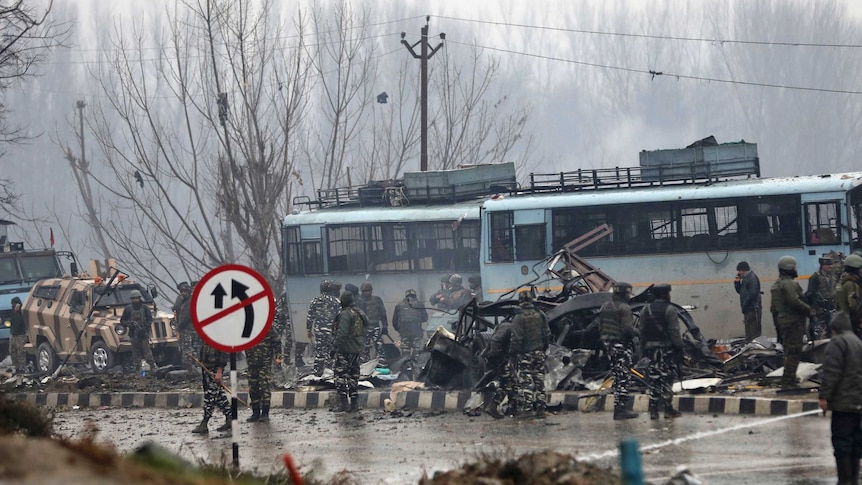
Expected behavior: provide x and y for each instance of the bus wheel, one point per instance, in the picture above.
(46, 359)
(101, 358)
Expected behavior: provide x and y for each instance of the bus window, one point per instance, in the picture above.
(530, 241)
(570, 224)
(501, 236)
(388, 248)
(822, 219)
(772, 221)
(302, 257)
(346, 249)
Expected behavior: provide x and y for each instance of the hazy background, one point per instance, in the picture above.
(782, 74)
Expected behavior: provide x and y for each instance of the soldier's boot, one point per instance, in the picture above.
(343, 404)
(541, 412)
(854, 469)
(653, 409)
(202, 427)
(354, 405)
(264, 414)
(491, 408)
(670, 412)
(226, 426)
(255, 415)
(620, 413)
(844, 465)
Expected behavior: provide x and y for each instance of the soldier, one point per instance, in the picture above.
(378, 323)
(183, 296)
(437, 298)
(407, 320)
(353, 289)
(321, 317)
(458, 295)
(617, 332)
(788, 312)
(350, 330)
(214, 362)
(260, 359)
(190, 341)
(530, 339)
(820, 295)
(747, 285)
(17, 336)
(663, 345)
(848, 293)
(138, 319)
(476, 286)
(498, 360)
(841, 391)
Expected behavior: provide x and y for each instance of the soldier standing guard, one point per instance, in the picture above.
(378, 324)
(663, 344)
(530, 339)
(214, 362)
(321, 317)
(789, 311)
(848, 293)
(617, 332)
(350, 330)
(138, 319)
(260, 360)
(407, 320)
(498, 360)
(185, 341)
(190, 341)
(821, 296)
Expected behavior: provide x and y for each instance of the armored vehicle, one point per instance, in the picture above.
(79, 317)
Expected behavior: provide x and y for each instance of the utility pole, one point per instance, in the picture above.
(423, 63)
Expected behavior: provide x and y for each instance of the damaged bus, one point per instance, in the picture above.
(689, 230)
(405, 235)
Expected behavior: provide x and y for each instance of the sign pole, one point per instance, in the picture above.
(234, 423)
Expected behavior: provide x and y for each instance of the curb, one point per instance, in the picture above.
(427, 400)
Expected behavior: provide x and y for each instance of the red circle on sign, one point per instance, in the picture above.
(265, 293)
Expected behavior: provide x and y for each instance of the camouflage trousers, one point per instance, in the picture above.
(662, 370)
(621, 362)
(530, 386)
(347, 375)
(190, 342)
(16, 351)
(373, 339)
(141, 351)
(414, 344)
(507, 388)
(214, 396)
(259, 391)
(791, 333)
(322, 350)
(819, 327)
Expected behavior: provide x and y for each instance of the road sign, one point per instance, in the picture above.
(232, 308)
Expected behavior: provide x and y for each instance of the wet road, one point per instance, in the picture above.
(381, 448)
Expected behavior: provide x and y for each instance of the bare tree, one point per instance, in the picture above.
(197, 144)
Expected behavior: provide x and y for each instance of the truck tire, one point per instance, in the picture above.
(101, 357)
(46, 359)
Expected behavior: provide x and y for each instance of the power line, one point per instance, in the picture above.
(654, 73)
(658, 37)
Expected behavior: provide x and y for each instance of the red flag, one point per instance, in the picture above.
(52, 236)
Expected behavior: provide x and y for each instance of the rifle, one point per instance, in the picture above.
(200, 364)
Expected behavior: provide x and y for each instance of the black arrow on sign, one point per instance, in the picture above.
(219, 294)
(237, 290)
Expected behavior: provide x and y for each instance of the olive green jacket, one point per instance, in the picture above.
(788, 303)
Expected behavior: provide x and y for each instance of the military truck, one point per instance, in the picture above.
(79, 317)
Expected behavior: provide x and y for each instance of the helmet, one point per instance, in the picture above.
(824, 260)
(622, 288)
(787, 263)
(184, 286)
(365, 287)
(661, 290)
(854, 261)
(444, 279)
(135, 294)
(410, 292)
(347, 299)
(351, 288)
(335, 286)
(455, 279)
(525, 297)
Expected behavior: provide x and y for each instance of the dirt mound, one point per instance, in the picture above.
(539, 468)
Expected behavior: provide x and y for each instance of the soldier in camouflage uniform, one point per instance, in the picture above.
(407, 320)
(139, 320)
(663, 344)
(184, 295)
(848, 293)
(498, 360)
(350, 331)
(529, 341)
(617, 332)
(789, 311)
(260, 360)
(820, 295)
(214, 395)
(321, 318)
(190, 341)
(378, 324)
